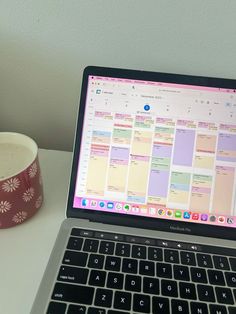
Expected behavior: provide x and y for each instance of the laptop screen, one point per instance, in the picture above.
(158, 149)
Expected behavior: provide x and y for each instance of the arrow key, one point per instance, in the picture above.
(76, 309)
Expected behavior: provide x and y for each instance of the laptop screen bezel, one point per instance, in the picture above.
(132, 220)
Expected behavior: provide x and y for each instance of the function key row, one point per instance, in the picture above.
(133, 239)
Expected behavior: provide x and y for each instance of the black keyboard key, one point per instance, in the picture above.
(113, 263)
(139, 251)
(95, 310)
(169, 288)
(206, 293)
(75, 309)
(171, 256)
(198, 308)
(75, 258)
(129, 266)
(141, 303)
(221, 262)
(217, 309)
(150, 285)
(75, 243)
(96, 261)
(56, 308)
(123, 249)
(103, 297)
(187, 290)
(231, 279)
(146, 268)
(198, 275)
(90, 245)
(73, 274)
(97, 278)
(188, 258)
(163, 270)
(204, 260)
(107, 247)
(73, 293)
(181, 273)
(133, 283)
(179, 307)
(122, 300)
(232, 310)
(216, 277)
(117, 312)
(115, 280)
(155, 254)
(160, 305)
(233, 263)
(224, 295)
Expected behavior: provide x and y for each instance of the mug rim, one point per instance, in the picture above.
(32, 146)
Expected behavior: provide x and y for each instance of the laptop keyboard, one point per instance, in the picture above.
(106, 273)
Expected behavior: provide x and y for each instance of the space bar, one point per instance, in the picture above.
(73, 293)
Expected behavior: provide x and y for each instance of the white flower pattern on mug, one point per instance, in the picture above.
(33, 170)
(28, 194)
(11, 185)
(19, 217)
(39, 201)
(4, 206)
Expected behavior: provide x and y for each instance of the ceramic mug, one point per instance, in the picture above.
(21, 190)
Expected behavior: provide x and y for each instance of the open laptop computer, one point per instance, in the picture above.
(151, 215)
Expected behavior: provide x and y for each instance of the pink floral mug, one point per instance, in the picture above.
(21, 191)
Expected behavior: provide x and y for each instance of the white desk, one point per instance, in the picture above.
(25, 249)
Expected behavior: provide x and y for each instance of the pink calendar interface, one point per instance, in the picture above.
(158, 150)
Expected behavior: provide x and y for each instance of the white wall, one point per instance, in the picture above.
(44, 45)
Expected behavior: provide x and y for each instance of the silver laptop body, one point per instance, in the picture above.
(154, 170)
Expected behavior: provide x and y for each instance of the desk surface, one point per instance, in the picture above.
(25, 249)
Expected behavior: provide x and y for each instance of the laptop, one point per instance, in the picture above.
(151, 214)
